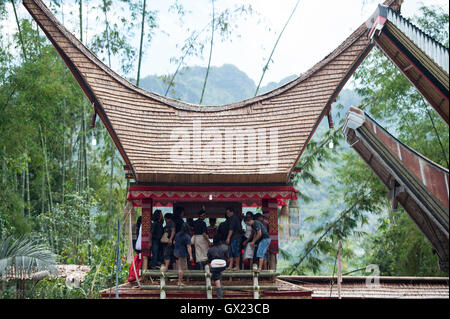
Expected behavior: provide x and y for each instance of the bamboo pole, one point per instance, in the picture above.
(108, 42)
(201, 274)
(210, 53)
(44, 149)
(141, 43)
(208, 282)
(339, 269)
(162, 286)
(256, 287)
(81, 19)
(64, 152)
(23, 192)
(28, 189)
(203, 287)
(266, 67)
(20, 30)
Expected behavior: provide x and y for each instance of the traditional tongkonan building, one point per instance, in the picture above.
(241, 154)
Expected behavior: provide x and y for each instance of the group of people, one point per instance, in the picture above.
(174, 242)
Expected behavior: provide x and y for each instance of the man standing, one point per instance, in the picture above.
(222, 230)
(261, 236)
(234, 238)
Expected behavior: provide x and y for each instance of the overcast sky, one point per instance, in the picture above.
(316, 29)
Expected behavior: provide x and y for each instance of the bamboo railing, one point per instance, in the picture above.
(208, 287)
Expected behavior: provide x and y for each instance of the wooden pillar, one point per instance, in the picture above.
(270, 210)
(147, 208)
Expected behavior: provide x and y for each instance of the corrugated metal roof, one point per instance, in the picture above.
(435, 50)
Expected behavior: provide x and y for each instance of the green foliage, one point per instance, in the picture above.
(21, 257)
(66, 229)
(103, 273)
(391, 99)
(52, 288)
(66, 194)
(400, 249)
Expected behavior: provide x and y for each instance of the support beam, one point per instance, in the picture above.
(147, 208)
(270, 210)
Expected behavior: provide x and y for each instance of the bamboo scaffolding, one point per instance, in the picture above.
(201, 274)
(203, 287)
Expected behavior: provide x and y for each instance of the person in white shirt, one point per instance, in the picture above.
(249, 249)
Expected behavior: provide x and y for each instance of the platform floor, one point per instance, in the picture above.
(285, 290)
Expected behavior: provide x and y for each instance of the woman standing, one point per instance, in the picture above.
(182, 250)
(201, 240)
(156, 231)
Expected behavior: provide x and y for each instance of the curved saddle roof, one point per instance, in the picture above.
(418, 184)
(423, 60)
(162, 140)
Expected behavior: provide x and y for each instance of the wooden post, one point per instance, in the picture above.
(162, 283)
(208, 282)
(255, 282)
(147, 208)
(270, 210)
(339, 269)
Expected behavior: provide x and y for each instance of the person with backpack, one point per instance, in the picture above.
(217, 258)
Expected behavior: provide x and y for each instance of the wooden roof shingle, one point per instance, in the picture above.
(146, 127)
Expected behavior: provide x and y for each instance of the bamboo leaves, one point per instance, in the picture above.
(20, 257)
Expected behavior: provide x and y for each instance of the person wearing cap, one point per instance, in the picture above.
(201, 240)
(217, 258)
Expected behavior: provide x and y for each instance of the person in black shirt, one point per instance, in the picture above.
(261, 236)
(201, 239)
(217, 257)
(234, 238)
(169, 228)
(156, 231)
(178, 218)
(222, 230)
(261, 218)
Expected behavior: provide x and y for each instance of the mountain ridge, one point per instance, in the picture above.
(226, 84)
